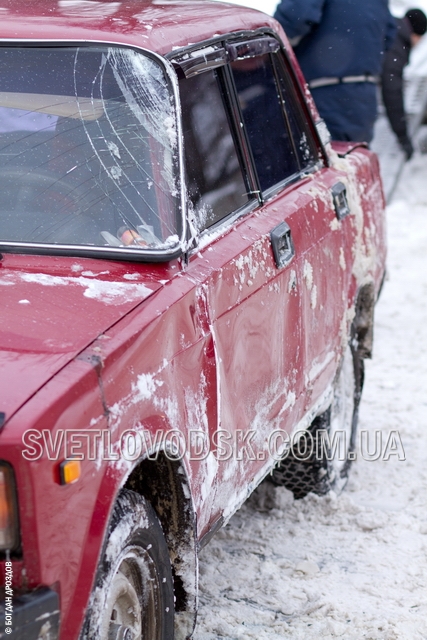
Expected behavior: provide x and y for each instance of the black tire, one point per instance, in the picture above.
(311, 466)
(133, 597)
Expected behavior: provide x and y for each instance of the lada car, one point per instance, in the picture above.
(188, 275)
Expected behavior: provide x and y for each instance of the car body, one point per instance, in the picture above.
(184, 258)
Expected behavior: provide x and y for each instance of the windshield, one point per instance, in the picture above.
(87, 149)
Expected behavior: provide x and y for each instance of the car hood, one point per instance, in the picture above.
(49, 317)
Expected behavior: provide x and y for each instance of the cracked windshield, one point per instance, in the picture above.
(87, 149)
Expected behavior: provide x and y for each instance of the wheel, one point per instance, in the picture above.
(323, 462)
(342, 424)
(133, 596)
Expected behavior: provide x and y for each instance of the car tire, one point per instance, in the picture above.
(133, 597)
(323, 461)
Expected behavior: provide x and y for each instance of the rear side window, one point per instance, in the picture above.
(215, 182)
(269, 136)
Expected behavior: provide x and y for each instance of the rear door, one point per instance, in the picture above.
(323, 237)
(312, 201)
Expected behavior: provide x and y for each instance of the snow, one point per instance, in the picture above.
(318, 367)
(399, 7)
(350, 566)
(146, 387)
(113, 293)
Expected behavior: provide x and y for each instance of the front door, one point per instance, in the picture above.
(242, 165)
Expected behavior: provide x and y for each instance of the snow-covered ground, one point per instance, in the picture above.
(351, 566)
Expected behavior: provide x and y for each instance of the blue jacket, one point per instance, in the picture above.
(339, 38)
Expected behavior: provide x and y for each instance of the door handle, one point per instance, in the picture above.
(282, 245)
(339, 195)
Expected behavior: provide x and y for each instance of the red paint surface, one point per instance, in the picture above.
(145, 24)
(204, 348)
(44, 325)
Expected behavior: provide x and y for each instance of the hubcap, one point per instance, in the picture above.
(131, 607)
(119, 632)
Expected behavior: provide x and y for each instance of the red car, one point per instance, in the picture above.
(188, 276)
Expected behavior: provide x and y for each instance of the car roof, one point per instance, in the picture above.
(156, 25)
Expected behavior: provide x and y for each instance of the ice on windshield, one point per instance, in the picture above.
(87, 148)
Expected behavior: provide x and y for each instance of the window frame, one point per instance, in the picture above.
(222, 65)
(237, 130)
(114, 253)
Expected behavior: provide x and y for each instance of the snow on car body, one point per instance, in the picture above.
(185, 260)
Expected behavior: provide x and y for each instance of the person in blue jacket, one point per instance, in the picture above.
(340, 46)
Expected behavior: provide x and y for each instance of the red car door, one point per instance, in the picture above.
(323, 238)
(239, 143)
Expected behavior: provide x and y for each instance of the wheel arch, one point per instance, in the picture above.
(163, 482)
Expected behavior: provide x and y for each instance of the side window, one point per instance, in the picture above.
(215, 181)
(272, 145)
(304, 144)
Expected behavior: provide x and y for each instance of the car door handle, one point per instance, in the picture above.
(339, 195)
(282, 244)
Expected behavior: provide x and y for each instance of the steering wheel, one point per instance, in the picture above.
(38, 206)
